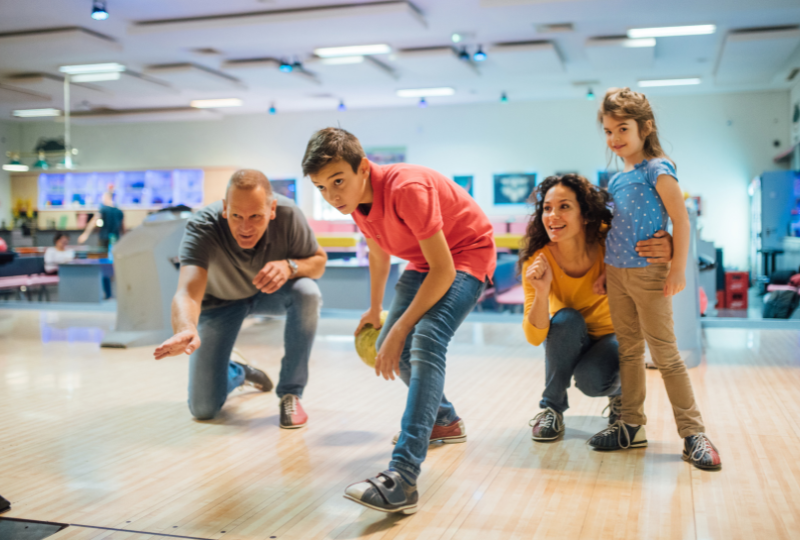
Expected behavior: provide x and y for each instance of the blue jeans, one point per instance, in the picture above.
(570, 351)
(212, 375)
(422, 363)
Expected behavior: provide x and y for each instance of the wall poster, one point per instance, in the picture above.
(513, 188)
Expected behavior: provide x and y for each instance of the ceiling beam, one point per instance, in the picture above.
(390, 7)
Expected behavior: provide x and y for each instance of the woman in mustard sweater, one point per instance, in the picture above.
(565, 303)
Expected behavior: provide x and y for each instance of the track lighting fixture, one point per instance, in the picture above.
(99, 11)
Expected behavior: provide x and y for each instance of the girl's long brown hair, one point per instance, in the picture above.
(625, 104)
(593, 203)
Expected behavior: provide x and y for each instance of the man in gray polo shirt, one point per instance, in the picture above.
(251, 253)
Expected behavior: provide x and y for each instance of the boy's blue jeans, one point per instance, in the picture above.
(212, 375)
(422, 363)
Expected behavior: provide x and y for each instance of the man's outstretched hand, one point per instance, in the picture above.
(185, 342)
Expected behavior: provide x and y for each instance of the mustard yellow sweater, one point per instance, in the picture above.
(569, 292)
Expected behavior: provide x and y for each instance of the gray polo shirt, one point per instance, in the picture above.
(209, 243)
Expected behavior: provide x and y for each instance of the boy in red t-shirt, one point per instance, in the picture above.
(427, 219)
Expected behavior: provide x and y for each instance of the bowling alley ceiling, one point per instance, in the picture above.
(262, 52)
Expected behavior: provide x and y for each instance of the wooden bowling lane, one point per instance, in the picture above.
(103, 438)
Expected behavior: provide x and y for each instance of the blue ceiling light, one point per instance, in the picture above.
(272, 109)
(479, 55)
(285, 66)
(99, 11)
(341, 106)
(463, 55)
(503, 98)
(297, 65)
(422, 103)
(590, 95)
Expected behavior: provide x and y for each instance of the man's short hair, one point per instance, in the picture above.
(332, 144)
(249, 179)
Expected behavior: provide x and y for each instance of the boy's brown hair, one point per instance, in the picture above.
(332, 144)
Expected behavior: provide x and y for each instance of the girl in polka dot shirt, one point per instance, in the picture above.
(646, 194)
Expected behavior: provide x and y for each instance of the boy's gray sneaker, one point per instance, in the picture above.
(386, 492)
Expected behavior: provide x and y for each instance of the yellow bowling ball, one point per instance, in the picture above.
(365, 342)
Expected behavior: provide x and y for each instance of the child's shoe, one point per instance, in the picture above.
(619, 436)
(699, 450)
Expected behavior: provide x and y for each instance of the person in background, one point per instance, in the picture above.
(111, 221)
(646, 195)
(109, 218)
(421, 216)
(58, 254)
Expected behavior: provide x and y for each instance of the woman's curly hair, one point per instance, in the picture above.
(593, 203)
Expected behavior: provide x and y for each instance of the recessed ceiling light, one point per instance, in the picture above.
(35, 113)
(341, 60)
(216, 103)
(91, 68)
(456, 38)
(670, 31)
(355, 50)
(95, 77)
(426, 92)
(670, 82)
(637, 43)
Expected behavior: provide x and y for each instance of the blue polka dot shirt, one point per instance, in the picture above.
(638, 211)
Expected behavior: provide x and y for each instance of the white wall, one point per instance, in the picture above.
(719, 142)
(9, 140)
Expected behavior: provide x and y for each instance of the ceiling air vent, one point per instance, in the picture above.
(557, 28)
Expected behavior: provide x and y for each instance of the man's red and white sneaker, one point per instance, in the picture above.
(452, 433)
(700, 452)
(292, 414)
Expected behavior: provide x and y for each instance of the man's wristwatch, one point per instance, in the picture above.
(293, 265)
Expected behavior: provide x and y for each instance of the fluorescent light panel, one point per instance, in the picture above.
(15, 167)
(216, 103)
(670, 82)
(637, 43)
(426, 92)
(355, 50)
(36, 113)
(670, 31)
(92, 68)
(95, 77)
(341, 60)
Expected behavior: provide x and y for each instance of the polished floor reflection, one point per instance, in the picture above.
(103, 438)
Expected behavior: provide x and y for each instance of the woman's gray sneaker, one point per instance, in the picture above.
(548, 425)
(614, 409)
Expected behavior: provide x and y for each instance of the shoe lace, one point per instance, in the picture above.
(617, 428)
(614, 407)
(290, 404)
(547, 418)
(701, 448)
